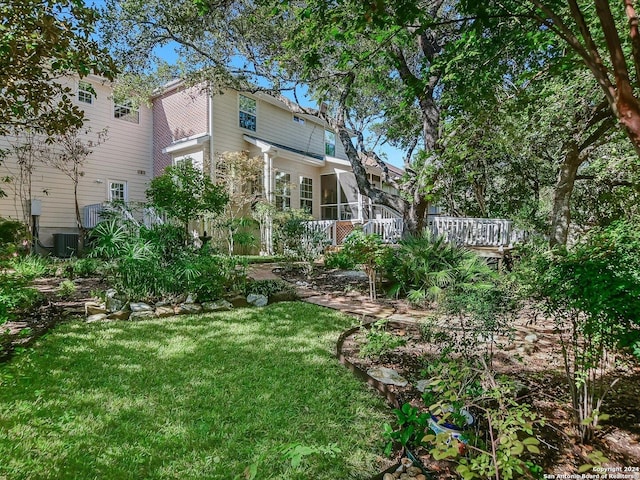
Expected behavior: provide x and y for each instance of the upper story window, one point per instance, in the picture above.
(248, 109)
(85, 92)
(126, 110)
(117, 191)
(330, 143)
(298, 120)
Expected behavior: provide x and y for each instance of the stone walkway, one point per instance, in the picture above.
(353, 304)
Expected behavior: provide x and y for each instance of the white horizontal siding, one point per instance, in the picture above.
(126, 151)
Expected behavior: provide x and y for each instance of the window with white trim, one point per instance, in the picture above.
(126, 110)
(306, 194)
(330, 143)
(85, 92)
(298, 120)
(283, 191)
(117, 191)
(248, 110)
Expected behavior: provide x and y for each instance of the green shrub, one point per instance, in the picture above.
(67, 288)
(502, 442)
(86, 267)
(268, 287)
(376, 341)
(423, 266)
(31, 266)
(593, 293)
(15, 295)
(340, 260)
(368, 251)
(13, 235)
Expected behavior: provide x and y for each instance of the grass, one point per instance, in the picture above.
(198, 397)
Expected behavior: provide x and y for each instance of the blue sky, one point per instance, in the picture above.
(168, 54)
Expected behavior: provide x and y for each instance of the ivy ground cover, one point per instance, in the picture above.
(214, 396)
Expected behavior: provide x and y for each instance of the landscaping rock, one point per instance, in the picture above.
(94, 308)
(190, 299)
(257, 300)
(219, 306)
(531, 338)
(239, 301)
(188, 308)
(387, 376)
(120, 315)
(142, 315)
(162, 312)
(139, 307)
(113, 302)
(98, 317)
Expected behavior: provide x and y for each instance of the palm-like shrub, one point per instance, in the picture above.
(424, 266)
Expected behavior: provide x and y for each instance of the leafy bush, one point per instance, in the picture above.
(593, 293)
(369, 251)
(295, 240)
(30, 266)
(67, 288)
(423, 266)
(340, 260)
(502, 440)
(149, 263)
(268, 287)
(15, 295)
(86, 267)
(12, 236)
(376, 341)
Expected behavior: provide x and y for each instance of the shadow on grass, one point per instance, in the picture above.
(189, 397)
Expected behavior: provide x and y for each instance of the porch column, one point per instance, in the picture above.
(268, 193)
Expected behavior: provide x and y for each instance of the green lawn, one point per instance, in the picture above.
(198, 397)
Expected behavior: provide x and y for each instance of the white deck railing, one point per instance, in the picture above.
(474, 232)
(471, 232)
(390, 229)
(324, 227)
(92, 214)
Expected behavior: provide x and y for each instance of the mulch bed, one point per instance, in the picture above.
(537, 368)
(53, 310)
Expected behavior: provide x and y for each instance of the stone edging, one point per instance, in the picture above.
(379, 386)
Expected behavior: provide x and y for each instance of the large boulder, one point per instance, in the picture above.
(188, 308)
(137, 307)
(113, 301)
(257, 300)
(94, 308)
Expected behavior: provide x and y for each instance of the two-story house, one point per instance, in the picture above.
(120, 168)
(305, 165)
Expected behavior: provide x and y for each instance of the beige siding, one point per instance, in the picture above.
(124, 156)
(274, 124)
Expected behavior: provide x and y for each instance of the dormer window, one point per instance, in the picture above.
(248, 113)
(330, 143)
(85, 92)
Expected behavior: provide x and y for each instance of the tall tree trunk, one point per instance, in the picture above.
(561, 214)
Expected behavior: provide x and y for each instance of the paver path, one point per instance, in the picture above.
(352, 304)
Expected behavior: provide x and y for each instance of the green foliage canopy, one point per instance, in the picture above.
(185, 193)
(40, 42)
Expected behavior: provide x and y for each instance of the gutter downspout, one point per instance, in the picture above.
(212, 160)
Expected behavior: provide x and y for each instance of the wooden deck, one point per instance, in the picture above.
(490, 237)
